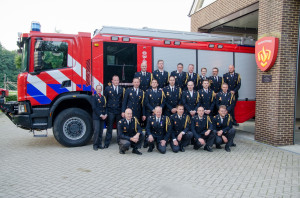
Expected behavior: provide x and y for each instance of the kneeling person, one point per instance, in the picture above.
(202, 131)
(180, 127)
(222, 127)
(158, 131)
(129, 133)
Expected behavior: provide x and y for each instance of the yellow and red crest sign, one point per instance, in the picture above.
(266, 52)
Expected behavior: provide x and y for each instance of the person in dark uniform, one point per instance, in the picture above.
(134, 99)
(190, 100)
(202, 131)
(180, 130)
(154, 97)
(215, 81)
(207, 98)
(129, 133)
(225, 98)
(202, 77)
(144, 76)
(173, 97)
(99, 115)
(222, 127)
(160, 75)
(158, 131)
(114, 95)
(193, 77)
(234, 84)
(181, 77)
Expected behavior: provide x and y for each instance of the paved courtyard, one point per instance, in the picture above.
(40, 167)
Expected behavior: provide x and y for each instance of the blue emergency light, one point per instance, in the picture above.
(35, 26)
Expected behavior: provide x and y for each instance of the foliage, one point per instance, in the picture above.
(18, 61)
(11, 98)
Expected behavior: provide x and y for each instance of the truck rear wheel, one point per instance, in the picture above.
(73, 127)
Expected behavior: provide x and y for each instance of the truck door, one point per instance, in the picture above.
(119, 59)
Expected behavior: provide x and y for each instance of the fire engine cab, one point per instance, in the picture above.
(60, 72)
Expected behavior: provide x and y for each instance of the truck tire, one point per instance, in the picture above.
(73, 127)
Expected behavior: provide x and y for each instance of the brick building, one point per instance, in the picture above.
(276, 102)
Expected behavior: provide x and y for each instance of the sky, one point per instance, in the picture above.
(72, 16)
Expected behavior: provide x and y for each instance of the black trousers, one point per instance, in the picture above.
(98, 132)
(111, 118)
(160, 148)
(186, 138)
(229, 135)
(232, 112)
(125, 144)
(209, 140)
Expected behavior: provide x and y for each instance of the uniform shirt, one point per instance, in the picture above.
(172, 98)
(216, 83)
(154, 98)
(162, 79)
(200, 126)
(180, 79)
(189, 102)
(126, 131)
(233, 81)
(114, 98)
(145, 78)
(179, 125)
(159, 129)
(224, 124)
(226, 99)
(207, 100)
(195, 78)
(134, 102)
(99, 106)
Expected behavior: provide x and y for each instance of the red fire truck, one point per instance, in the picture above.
(60, 72)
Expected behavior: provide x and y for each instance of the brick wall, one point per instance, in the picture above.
(216, 11)
(275, 101)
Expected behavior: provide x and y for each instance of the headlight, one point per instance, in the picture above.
(22, 108)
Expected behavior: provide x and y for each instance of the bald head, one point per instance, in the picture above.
(128, 114)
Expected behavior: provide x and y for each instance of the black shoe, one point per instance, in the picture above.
(227, 149)
(121, 151)
(150, 149)
(106, 146)
(95, 148)
(145, 145)
(235, 124)
(136, 152)
(208, 148)
(182, 149)
(195, 147)
(233, 145)
(100, 147)
(218, 147)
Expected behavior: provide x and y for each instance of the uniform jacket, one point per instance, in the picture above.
(227, 100)
(190, 102)
(225, 126)
(126, 131)
(114, 100)
(153, 99)
(99, 106)
(199, 127)
(161, 130)
(180, 80)
(207, 100)
(162, 80)
(134, 102)
(195, 79)
(145, 80)
(172, 99)
(216, 85)
(234, 83)
(177, 125)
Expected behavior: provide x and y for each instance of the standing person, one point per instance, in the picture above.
(207, 98)
(215, 81)
(222, 127)
(202, 77)
(154, 97)
(190, 100)
(202, 131)
(129, 133)
(144, 76)
(173, 97)
(114, 95)
(134, 100)
(193, 77)
(180, 130)
(99, 115)
(158, 131)
(225, 98)
(160, 75)
(181, 77)
(234, 84)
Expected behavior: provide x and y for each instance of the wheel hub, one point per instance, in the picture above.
(74, 128)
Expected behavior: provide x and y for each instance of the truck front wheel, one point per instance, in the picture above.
(73, 127)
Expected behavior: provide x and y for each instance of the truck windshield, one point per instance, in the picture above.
(25, 57)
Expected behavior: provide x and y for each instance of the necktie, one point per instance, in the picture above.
(172, 89)
(231, 75)
(191, 76)
(221, 120)
(157, 120)
(136, 92)
(206, 91)
(144, 74)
